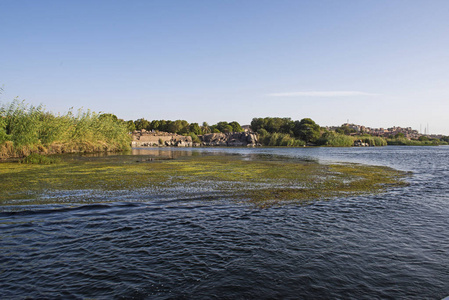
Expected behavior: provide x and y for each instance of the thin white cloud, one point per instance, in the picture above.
(322, 94)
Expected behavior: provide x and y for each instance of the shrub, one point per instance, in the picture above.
(373, 140)
(334, 139)
(278, 139)
(195, 138)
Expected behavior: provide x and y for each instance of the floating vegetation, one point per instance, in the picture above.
(260, 181)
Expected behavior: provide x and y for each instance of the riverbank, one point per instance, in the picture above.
(143, 138)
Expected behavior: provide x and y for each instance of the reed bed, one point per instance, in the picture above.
(27, 129)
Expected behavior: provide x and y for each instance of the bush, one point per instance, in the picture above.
(278, 139)
(3, 136)
(333, 139)
(373, 140)
(195, 138)
(406, 142)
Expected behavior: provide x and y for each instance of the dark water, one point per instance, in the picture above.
(389, 246)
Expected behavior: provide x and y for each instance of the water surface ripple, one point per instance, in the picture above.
(389, 246)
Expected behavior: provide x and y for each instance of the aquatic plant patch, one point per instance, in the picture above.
(258, 180)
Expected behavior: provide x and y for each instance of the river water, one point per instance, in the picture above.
(389, 246)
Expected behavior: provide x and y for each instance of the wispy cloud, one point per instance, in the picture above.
(322, 94)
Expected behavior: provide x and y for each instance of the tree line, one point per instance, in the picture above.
(306, 129)
(288, 132)
(183, 127)
(272, 131)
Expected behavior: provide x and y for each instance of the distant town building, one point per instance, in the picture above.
(408, 132)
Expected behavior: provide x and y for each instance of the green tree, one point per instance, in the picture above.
(423, 138)
(195, 128)
(227, 129)
(262, 132)
(179, 127)
(130, 125)
(185, 126)
(214, 129)
(164, 125)
(205, 128)
(155, 124)
(287, 126)
(345, 130)
(236, 126)
(307, 130)
(221, 126)
(110, 116)
(273, 125)
(257, 124)
(142, 124)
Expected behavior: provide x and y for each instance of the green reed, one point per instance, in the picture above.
(26, 129)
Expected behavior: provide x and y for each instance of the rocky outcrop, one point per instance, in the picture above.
(360, 143)
(234, 139)
(160, 139)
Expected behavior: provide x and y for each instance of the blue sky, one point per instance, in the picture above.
(377, 63)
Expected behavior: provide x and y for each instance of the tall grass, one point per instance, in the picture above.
(280, 139)
(333, 139)
(406, 142)
(26, 129)
(373, 140)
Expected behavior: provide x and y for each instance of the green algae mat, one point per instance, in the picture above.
(258, 180)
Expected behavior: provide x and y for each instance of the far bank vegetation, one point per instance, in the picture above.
(27, 129)
(272, 131)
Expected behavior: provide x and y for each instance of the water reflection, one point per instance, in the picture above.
(243, 153)
(161, 152)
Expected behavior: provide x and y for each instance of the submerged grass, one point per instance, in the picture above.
(259, 181)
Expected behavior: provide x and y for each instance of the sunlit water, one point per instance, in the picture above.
(389, 246)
